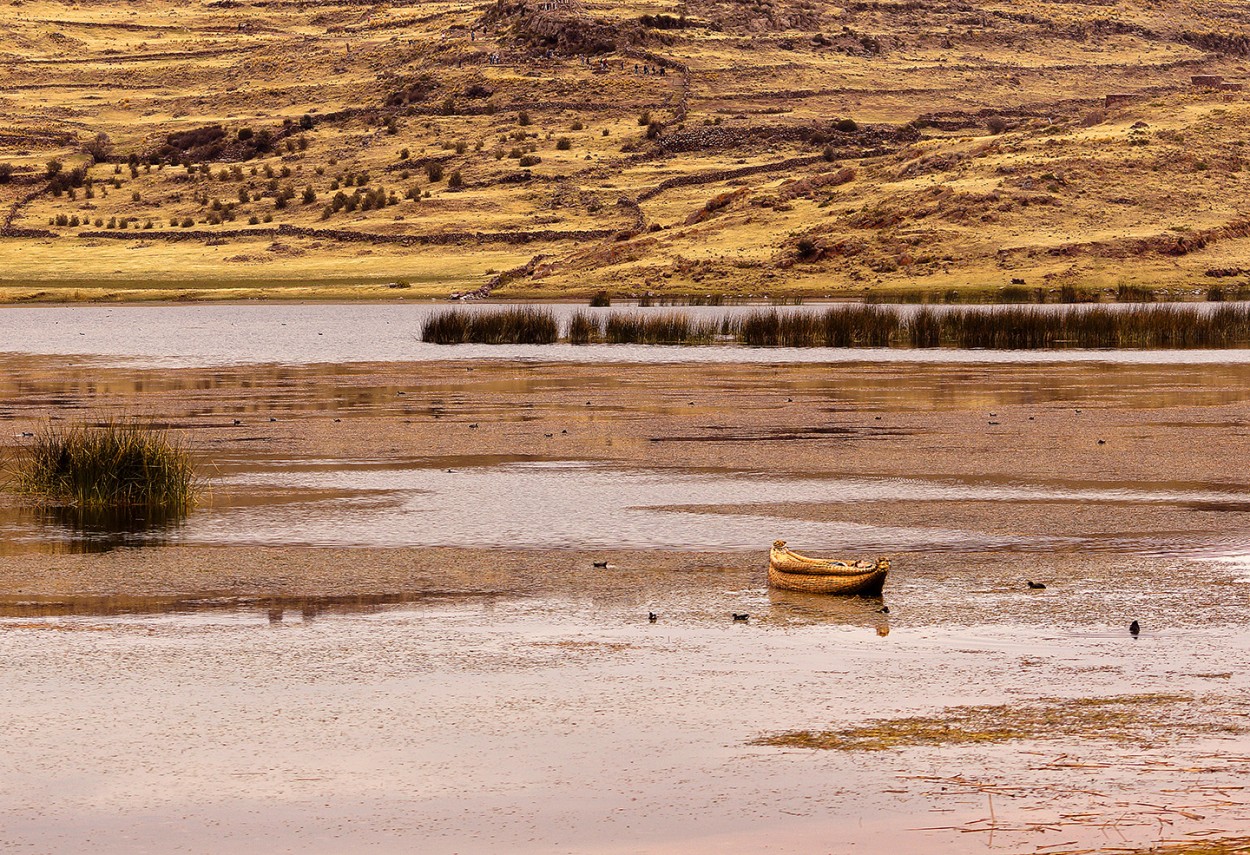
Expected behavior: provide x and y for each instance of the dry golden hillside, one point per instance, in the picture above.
(557, 147)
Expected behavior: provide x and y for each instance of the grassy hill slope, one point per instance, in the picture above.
(745, 147)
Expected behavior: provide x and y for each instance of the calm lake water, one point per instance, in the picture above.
(297, 334)
(353, 647)
(582, 505)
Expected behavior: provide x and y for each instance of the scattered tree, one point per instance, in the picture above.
(99, 148)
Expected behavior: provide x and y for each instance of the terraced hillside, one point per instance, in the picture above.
(554, 148)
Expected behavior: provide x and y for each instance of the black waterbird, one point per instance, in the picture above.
(651, 616)
(601, 564)
(1036, 586)
(1134, 628)
(739, 617)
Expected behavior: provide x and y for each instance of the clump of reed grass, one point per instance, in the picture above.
(668, 328)
(585, 328)
(838, 326)
(518, 325)
(1134, 294)
(115, 466)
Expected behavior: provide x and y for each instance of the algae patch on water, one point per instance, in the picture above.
(1122, 718)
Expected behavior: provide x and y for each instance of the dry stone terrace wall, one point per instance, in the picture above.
(350, 236)
(718, 175)
(8, 230)
(1165, 244)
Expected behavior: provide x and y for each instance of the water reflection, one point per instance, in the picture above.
(276, 608)
(76, 530)
(230, 405)
(578, 505)
(799, 608)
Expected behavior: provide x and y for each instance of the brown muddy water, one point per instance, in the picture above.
(384, 630)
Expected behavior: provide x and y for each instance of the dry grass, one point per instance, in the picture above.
(117, 466)
(1127, 718)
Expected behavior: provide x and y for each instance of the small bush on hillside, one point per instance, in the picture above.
(100, 147)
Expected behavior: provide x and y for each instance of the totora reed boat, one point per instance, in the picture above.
(793, 572)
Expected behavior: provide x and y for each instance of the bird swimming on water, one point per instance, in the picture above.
(739, 617)
(601, 564)
(1036, 586)
(1134, 628)
(652, 617)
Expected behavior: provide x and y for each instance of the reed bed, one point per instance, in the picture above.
(1138, 326)
(520, 325)
(668, 328)
(1008, 328)
(585, 328)
(118, 465)
(839, 326)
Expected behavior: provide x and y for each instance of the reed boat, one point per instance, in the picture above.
(791, 571)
